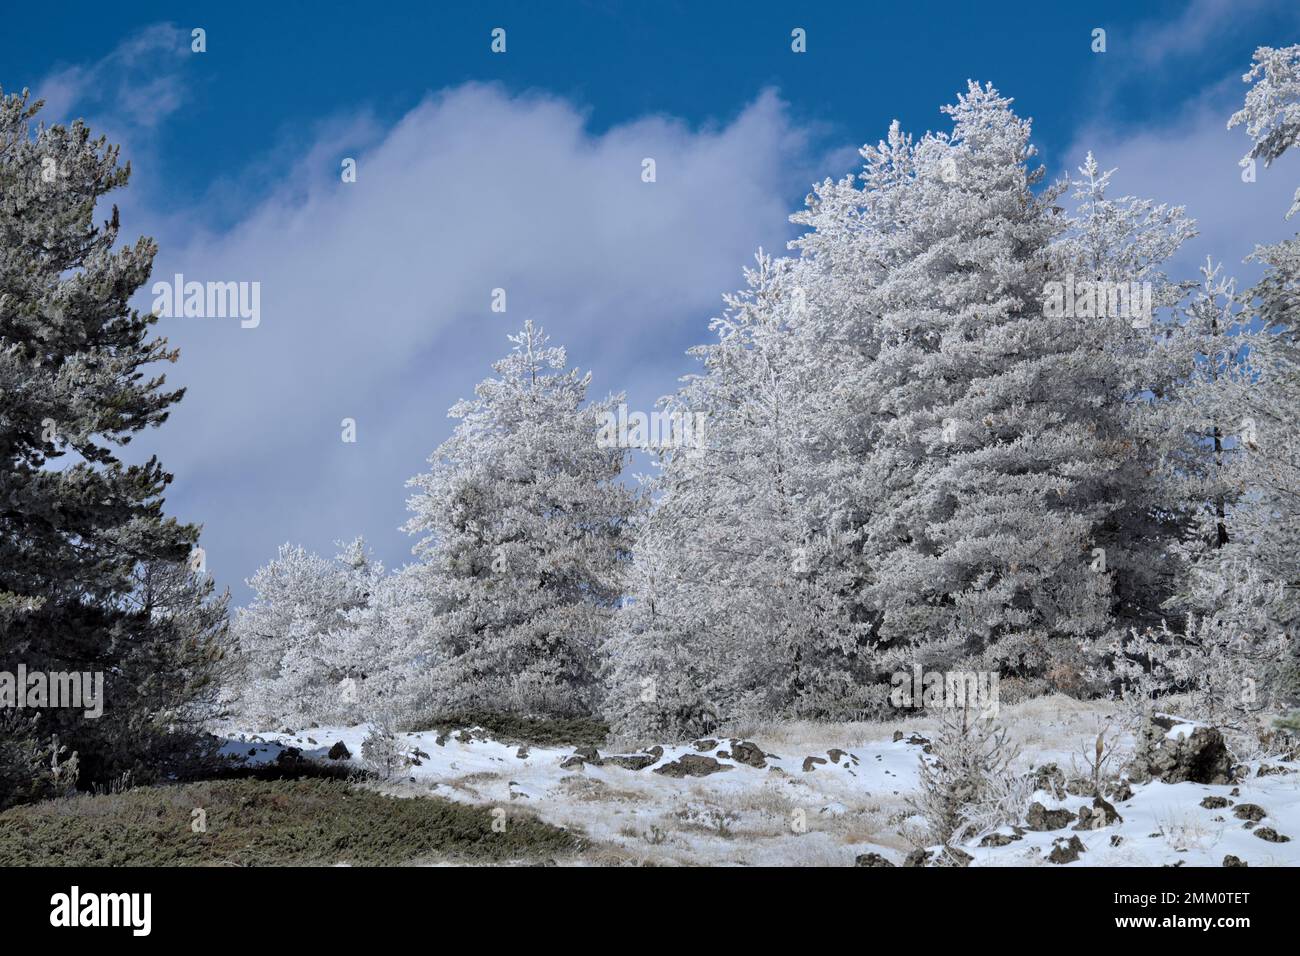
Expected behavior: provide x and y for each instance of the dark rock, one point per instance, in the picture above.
(749, 754)
(1100, 814)
(1271, 835)
(1198, 757)
(1249, 811)
(1116, 839)
(1066, 852)
(898, 735)
(631, 761)
(871, 859)
(835, 753)
(1041, 819)
(691, 765)
(1231, 860)
(999, 839)
(1051, 779)
(1216, 803)
(917, 858)
(522, 752)
(656, 751)
(810, 763)
(707, 743)
(1268, 770)
(1122, 793)
(572, 762)
(339, 752)
(588, 754)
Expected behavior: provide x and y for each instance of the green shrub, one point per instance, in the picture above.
(257, 823)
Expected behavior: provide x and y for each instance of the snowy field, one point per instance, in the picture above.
(809, 794)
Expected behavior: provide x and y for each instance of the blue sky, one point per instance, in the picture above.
(522, 171)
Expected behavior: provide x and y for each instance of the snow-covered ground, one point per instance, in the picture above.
(794, 810)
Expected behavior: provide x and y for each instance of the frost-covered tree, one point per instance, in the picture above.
(1268, 517)
(1206, 469)
(743, 601)
(966, 786)
(390, 646)
(77, 524)
(300, 662)
(995, 433)
(1269, 522)
(1271, 113)
(1136, 363)
(525, 526)
(956, 468)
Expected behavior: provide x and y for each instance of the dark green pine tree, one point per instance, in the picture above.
(81, 531)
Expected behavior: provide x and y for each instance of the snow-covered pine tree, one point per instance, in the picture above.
(992, 435)
(391, 642)
(742, 604)
(293, 636)
(526, 527)
(1271, 112)
(1236, 471)
(1206, 467)
(1269, 525)
(77, 524)
(1135, 364)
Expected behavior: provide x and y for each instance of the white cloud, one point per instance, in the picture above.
(375, 295)
(1201, 23)
(1192, 160)
(138, 84)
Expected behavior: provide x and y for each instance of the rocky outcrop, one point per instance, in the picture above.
(1100, 814)
(631, 761)
(1197, 757)
(1042, 819)
(1066, 851)
(1000, 839)
(917, 858)
(1250, 811)
(750, 754)
(1051, 779)
(691, 765)
(339, 752)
